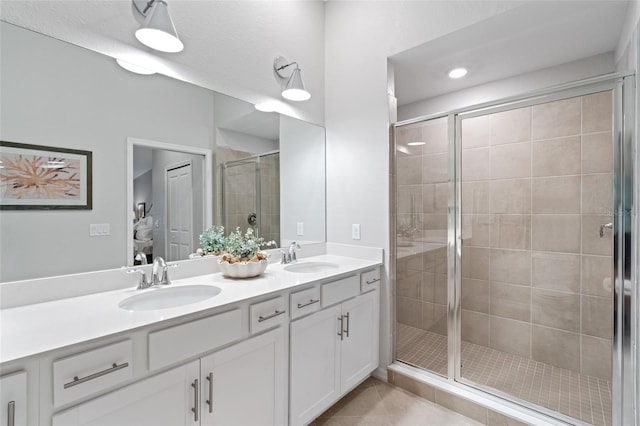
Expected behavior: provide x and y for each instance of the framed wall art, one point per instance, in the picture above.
(36, 177)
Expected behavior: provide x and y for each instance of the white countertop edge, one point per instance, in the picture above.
(43, 327)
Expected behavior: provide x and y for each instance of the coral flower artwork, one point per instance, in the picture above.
(37, 177)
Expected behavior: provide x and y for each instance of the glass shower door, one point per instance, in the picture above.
(536, 256)
(421, 244)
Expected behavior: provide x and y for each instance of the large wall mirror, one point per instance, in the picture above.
(151, 137)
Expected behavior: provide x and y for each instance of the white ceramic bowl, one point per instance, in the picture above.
(243, 270)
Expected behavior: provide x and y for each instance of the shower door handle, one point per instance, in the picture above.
(605, 225)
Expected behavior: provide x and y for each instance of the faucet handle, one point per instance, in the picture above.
(143, 283)
(165, 273)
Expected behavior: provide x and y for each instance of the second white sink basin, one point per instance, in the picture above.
(169, 297)
(310, 267)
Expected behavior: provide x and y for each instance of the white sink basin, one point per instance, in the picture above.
(310, 267)
(168, 297)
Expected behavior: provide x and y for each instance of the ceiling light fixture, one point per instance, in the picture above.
(134, 68)
(457, 73)
(293, 88)
(157, 31)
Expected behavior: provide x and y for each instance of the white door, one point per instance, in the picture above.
(166, 399)
(246, 384)
(315, 365)
(179, 213)
(13, 397)
(360, 344)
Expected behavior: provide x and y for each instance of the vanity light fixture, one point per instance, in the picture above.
(293, 88)
(457, 73)
(157, 31)
(134, 68)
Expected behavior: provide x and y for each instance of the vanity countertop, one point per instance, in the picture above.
(34, 329)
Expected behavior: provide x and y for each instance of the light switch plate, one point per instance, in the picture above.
(355, 231)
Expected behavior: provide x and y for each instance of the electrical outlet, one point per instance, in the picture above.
(300, 227)
(355, 231)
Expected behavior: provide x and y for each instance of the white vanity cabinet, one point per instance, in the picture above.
(332, 351)
(244, 384)
(163, 399)
(247, 383)
(13, 399)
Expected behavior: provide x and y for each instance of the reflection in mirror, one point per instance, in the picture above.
(247, 168)
(171, 185)
(58, 94)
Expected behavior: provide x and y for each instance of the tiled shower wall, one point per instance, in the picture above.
(536, 185)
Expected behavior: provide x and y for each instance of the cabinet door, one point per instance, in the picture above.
(360, 343)
(165, 399)
(13, 397)
(314, 365)
(247, 383)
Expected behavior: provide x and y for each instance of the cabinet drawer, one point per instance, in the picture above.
(184, 341)
(304, 302)
(91, 372)
(267, 314)
(369, 279)
(337, 291)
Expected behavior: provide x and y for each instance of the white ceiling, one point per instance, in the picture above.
(533, 36)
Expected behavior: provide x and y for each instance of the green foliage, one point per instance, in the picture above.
(213, 240)
(247, 245)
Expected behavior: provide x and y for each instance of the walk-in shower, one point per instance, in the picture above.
(250, 194)
(512, 247)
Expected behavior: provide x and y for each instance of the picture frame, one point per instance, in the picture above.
(38, 177)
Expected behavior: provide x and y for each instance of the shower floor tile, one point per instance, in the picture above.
(573, 394)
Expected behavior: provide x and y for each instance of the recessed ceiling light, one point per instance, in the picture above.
(417, 143)
(267, 106)
(134, 67)
(457, 72)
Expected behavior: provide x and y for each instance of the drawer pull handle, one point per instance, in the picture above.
(210, 400)
(77, 380)
(196, 399)
(11, 413)
(373, 280)
(341, 319)
(346, 331)
(310, 302)
(273, 315)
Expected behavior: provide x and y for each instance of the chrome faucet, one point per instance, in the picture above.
(290, 255)
(292, 251)
(159, 272)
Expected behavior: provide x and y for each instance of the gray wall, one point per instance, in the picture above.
(83, 100)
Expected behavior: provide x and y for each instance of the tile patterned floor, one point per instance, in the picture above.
(375, 403)
(583, 397)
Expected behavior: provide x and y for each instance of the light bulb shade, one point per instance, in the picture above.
(158, 31)
(294, 90)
